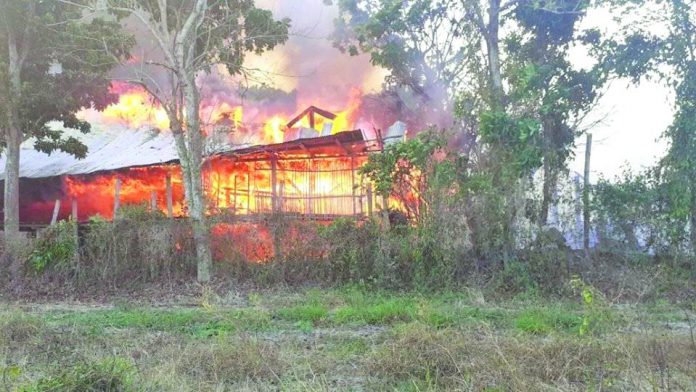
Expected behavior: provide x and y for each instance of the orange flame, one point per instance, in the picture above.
(135, 109)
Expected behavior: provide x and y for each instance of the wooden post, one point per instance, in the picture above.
(234, 202)
(281, 195)
(385, 212)
(586, 198)
(369, 200)
(56, 210)
(117, 196)
(249, 192)
(76, 234)
(274, 180)
(74, 210)
(352, 183)
(153, 201)
(170, 202)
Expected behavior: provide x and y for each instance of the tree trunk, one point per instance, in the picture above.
(548, 188)
(493, 49)
(197, 203)
(11, 195)
(692, 215)
(13, 139)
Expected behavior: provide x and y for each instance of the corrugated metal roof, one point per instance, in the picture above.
(119, 147)
(108, 149)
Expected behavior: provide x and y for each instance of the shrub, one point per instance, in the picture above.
(352, 247)
(54, 248)
(140, 248)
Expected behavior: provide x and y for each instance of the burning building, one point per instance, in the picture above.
(310, 169)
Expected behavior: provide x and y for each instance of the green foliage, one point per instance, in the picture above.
(53, 33)
(641, 51)
(515, 278)
(596, 314)
(400, 161)
(519, 138)
(415, 172)
(392, 32)
(352, 249)
(653, 205)
(55, 247)
(140, 213)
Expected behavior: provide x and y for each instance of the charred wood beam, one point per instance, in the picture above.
(311, 111)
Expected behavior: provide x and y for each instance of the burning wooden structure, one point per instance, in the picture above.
(314, 173)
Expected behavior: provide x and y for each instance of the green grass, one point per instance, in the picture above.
(346, 339)
(306, 313)
(381, 311)
(547, 320)
(196, 322)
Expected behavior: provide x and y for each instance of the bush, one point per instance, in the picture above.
(54, 248)
(352, 247)
(140, 248)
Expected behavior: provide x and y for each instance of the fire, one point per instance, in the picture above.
(274, 128)
(135, 109)
(225, 112)
(344, 120)
(95, 194)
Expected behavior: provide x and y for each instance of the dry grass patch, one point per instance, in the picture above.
(421, 357)
(231, 361)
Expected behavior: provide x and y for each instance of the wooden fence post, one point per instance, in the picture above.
(76, 234)
(56, 210)
(117, 197)
(369, 200)
(153, 201)
(352, 185)
(74, 210)
(170, 201)
(385, 212)
(274, 180)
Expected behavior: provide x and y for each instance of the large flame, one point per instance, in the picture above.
(135, 109)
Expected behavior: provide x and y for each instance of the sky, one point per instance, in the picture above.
(633, 117)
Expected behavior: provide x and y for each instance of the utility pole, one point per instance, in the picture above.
(586, 198)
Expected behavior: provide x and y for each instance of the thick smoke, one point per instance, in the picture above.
(306, 70)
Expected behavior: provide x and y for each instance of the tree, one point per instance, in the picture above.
(193, 37)
(642, 51)
(53, 62)
(518, 100)
(548, 86)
